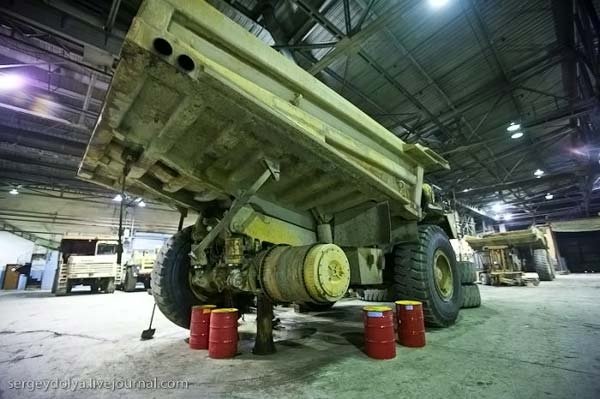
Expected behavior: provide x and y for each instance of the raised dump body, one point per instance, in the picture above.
(532, 237)
(506, 255)
(201, 102)
(296, 188)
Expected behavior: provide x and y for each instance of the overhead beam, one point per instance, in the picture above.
(63, 22)
(351, 44)
(531, 182)
(41, 141)
(36, 239)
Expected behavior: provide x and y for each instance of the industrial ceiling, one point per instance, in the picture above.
(451, 74)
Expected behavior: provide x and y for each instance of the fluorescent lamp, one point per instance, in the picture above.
(141, 204)
(438, 3)
(513, 127)
(549, 196)
(516, 135)
(11, 81)
(118, 198)
(538, 172)
(14, 191)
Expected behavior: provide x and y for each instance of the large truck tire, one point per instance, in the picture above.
(542, 264)
(108, 285)
(468, 274)
(130, 281)
(427, 272)
(170, 279)
(471, 297)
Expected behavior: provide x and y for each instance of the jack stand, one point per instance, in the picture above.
(264, 344)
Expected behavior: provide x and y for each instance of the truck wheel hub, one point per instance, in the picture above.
(442, 273)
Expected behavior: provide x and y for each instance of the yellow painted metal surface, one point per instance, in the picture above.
(326, 272)
(407, 303)
(269, 229)
(200, 134)
(225, 310)
(308, 274)
(519, 238)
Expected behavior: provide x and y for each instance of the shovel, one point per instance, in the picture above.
(149, 333)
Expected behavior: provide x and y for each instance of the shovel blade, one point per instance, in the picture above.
(148, 334)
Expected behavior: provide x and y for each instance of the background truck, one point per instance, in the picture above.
(300, 194)
(506, 256)
(138, 269)
(91, 262)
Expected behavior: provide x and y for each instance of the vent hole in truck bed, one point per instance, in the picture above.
(185, 62)
(162, 46)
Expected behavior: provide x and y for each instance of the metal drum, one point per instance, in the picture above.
(199, 326)
(411, 327)
(380, 340)
(223, 336)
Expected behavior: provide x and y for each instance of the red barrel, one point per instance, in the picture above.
(380, 340)
(223, 336)
(411, 327)
(199, 326)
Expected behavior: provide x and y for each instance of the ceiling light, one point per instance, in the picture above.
(141, 204)
(438, 3)
(549, 196)
(513, 127)
(538, 172)
(498, 207)
(508, 216)
(516, 135)
(14, 191)
(10, 81)
(118, 198)
(466, 190)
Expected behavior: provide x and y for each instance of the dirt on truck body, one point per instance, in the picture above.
(301, 195)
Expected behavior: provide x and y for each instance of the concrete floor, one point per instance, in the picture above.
(525, 342)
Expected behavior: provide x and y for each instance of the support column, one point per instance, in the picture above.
(264, 344)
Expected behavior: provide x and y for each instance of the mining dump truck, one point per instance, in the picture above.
(301, 195)
(90, 262)
(506, 256)
(138, 269)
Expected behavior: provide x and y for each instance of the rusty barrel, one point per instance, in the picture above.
(223, 336)
(199, 326)
(411, 326)
(380, 340)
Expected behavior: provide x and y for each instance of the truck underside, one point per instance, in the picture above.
(300, 194)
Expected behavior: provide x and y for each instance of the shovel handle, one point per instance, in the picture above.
(152, 317)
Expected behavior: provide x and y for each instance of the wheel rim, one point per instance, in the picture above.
(443, 277)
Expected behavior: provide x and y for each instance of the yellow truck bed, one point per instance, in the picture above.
(201, 102)
(519, 238)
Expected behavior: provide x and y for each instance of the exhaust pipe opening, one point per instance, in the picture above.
(162, 46)
(186, 63)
